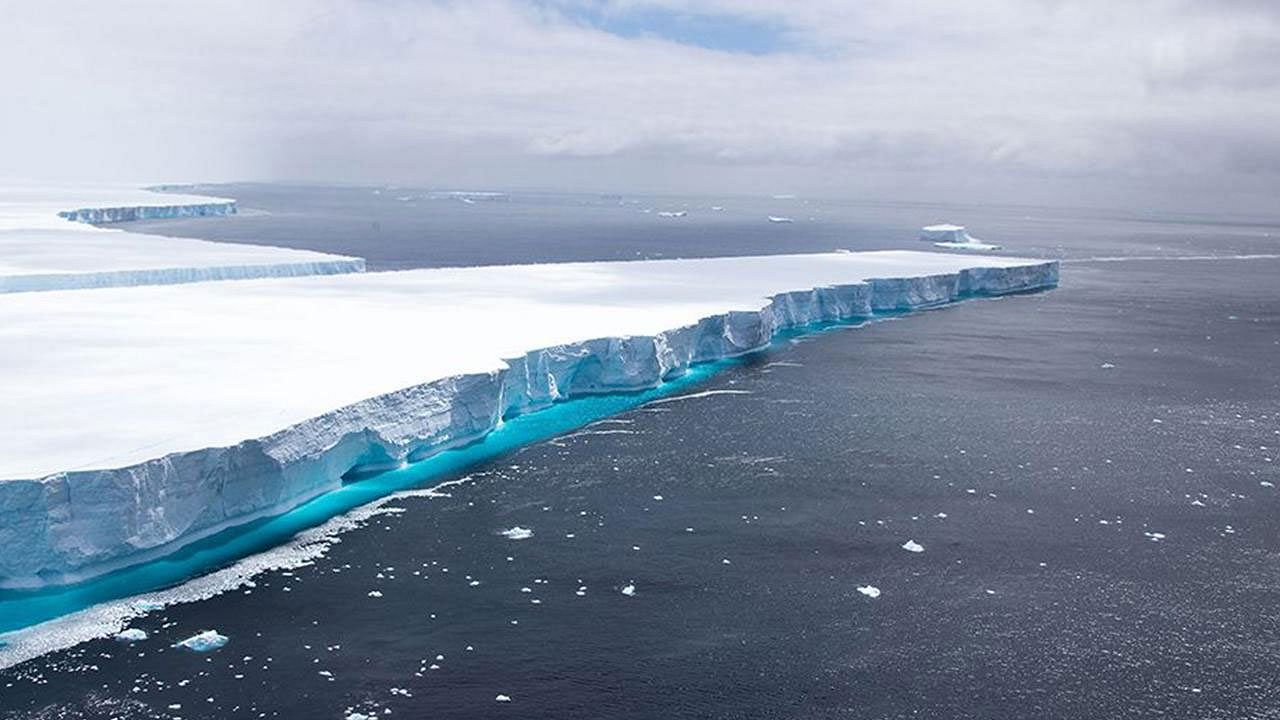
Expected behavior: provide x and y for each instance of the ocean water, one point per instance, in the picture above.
(1090, 471)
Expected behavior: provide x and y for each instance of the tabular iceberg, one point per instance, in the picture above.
(953, 237)
(47, 243)
(316, 377)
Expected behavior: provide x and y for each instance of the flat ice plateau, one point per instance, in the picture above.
(137, 419)
(47, 243)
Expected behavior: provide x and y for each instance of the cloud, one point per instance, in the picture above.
(748, 95)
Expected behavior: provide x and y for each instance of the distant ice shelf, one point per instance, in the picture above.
(47, 242)
(139, 419)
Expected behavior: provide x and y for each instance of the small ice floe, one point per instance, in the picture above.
(658, 498)
(870, 591)
(375, 593)
(718, 208)
(502, 698)
(1154, 536)
(676, 214)
(779, 219)
(912, 546)
(1265, 483)
(629, 589)
(725, 562)
(131, 635)
(203, 642)
(517, 533)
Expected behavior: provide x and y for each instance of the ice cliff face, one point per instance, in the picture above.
(74, 525)
(176, 275)
(99, 215)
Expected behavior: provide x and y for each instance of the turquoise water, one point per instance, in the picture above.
(23, 608)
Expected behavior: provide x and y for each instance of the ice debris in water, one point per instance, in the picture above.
(912, 546)
(131, 635)
(502, 698)
(517, 533)
(204, 642)
(870, 591)
(629, 590)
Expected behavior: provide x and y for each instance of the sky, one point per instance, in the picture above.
(1171, 104)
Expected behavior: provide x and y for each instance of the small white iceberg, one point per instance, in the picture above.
(131, 635)
(912, 546)
(629, 590)
(953, 237)
(779, 219)
(502, 698)
(203, 642)
(870, 591)
(676, 214)
(517, 533)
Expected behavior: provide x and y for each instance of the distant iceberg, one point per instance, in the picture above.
(779, 219)
(953, 237)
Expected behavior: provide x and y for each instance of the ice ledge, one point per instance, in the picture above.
(69, 526)
(41, 251)
(129, 213)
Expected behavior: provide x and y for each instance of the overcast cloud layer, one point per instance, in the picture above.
(1165, 103)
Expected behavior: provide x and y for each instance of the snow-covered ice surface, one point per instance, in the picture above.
(47, 243)
(210, 404)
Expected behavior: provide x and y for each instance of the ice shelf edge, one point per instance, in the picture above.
(71, 526)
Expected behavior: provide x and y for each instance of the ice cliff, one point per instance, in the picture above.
(70, 525)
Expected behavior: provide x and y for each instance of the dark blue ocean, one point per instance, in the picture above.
(1091, 473)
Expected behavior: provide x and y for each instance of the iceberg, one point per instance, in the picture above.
(47, 243)
(213, 404)
(953, 237)
(206, 641)
(131, 635)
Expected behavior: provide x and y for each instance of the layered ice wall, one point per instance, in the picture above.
(316, 377)
(48, 243)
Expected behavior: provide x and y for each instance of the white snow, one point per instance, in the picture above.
(517, 533)
(42, 248)
(203, 642)
(269, 390)
(912, 546)
(870, 591)
(629, 590)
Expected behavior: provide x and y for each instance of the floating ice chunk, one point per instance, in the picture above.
(657, 497)
(870, 591)
(676, 214)
(204, 642)
(953, 237)
(502, 698)
(1266, 483)
(629, 590)
(131, 635)
(912, 546)
(779, 219)
(375, 593)
(517, 533)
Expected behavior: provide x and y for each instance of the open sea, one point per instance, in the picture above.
(1090, 474)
